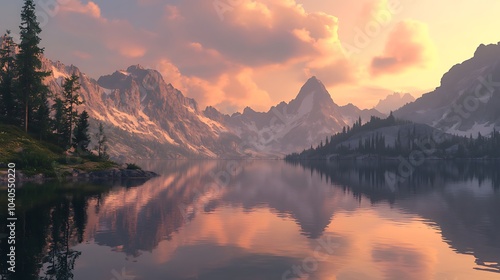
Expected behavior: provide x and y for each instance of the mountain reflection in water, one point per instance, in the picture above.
(260, 219)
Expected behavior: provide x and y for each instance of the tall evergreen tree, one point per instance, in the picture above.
(8, 104)
(32, 92)
(41, 120)
(81, 140)
(102, 141)
(71, 86)
(60, 123)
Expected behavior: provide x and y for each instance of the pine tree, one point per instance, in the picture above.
(398, 143)
(102, 141)
(81, 139)
(8, 103)
(391, 119)
(32, 92)
(60, 123)
(71, 86)
(41, 121)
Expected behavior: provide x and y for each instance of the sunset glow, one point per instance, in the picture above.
(232, 54)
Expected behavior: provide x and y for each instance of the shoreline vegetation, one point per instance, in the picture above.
(391, 138)
(46, 136)
(37, 160)
(41, 132)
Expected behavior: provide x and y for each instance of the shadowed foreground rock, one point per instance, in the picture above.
(115, 173)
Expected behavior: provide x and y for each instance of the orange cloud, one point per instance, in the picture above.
(383, 11)
(408, 45)
(222, 63)
(117, 35)
(74, 6)
(251, 35)
(130, 51)
(229, 91)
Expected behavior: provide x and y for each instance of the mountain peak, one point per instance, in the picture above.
(313, 81)
(393, 102)
(487, 51)
(133, 68)
(315, 87)
(248, 110)
(312, 85)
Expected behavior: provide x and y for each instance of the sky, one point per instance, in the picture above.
(236, 53)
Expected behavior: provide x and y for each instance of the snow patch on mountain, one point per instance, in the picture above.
(124, 72)
(58, 74)
(107, 91)
(467, 99)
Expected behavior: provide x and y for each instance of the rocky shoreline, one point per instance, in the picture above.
(114, 173)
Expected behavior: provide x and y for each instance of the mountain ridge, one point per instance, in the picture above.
(146, 117)
(467, 99)
(305, 120)
(393, 102)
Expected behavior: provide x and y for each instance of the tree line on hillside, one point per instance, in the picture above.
(26, 102)
(408, 139)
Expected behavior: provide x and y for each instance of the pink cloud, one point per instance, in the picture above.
(211, 59)
(117, 35)
(75, 6)
(409, 45)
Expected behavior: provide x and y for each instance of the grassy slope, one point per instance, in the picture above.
(13, 141)
(34, 157)
(29, 154)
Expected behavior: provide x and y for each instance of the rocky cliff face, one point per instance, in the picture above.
(468, 98)
(146, 117)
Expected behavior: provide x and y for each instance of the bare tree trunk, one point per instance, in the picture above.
(26, 118)
(70, 124)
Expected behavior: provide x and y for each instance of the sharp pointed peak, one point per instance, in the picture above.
(248, 110)
(312, 86)
(135, 67)
(313, 79)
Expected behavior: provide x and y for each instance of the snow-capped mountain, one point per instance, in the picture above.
(146, 117)
(288, 127)
(468, 99)
(393, 102)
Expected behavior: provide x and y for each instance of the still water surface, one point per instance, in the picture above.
(265, 220)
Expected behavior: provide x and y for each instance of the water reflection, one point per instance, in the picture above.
(51, 221)
(262, 219)
(461, 198)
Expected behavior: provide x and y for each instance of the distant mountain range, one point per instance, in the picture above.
(468, 99)
(286, 127)
(146, 117)
(393, 102)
